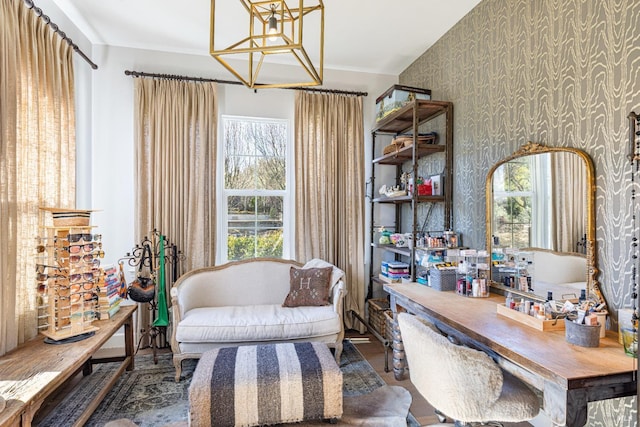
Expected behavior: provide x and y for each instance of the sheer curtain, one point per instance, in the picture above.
(329, 176)
(37, 156)
(175, 158)
(569, 188)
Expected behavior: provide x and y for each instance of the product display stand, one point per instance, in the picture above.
(67, 269)
(151, 257)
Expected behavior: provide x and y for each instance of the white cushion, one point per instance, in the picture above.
(256, 323)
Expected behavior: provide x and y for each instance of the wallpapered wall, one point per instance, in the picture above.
(559, 72)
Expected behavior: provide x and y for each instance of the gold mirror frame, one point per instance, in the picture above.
(531, 148)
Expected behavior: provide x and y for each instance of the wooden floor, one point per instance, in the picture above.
(366, 343)
(373, 351)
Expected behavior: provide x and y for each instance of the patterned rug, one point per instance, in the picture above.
(150, 397)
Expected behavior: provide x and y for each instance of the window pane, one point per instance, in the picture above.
(518, 177)
(269, 212)
(255, 154)
(255, 227)
(269, 243)
(239, 172)
(241, 244)
(242, 211)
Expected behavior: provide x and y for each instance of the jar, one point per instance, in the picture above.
(450, 238)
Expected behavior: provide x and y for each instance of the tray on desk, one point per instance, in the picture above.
(534, 322)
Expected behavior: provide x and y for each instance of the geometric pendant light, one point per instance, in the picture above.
(275, 30)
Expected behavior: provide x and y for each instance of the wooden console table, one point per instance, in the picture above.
(34, 370)
(567, 376)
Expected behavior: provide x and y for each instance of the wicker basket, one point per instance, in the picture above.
(377, 321)
(389, 323)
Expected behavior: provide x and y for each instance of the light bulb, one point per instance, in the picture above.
(273, 27)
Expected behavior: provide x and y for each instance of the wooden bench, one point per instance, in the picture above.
(34, 370)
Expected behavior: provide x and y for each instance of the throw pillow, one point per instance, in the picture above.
(308, 287)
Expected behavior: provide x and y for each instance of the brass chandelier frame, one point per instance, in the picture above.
(288, 40)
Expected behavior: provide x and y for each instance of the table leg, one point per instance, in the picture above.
(565, 407)
(128, 341)
(399, 357)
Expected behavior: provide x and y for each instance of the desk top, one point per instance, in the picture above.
(546, 353)
(34, 369)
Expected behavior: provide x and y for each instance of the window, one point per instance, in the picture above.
(522, 204)
(255, 188)
(512, 204)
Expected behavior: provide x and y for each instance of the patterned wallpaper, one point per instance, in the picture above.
(559, 72)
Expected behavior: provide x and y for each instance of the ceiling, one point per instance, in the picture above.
(375, 36)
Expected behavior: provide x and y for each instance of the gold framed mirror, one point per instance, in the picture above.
(540, 213)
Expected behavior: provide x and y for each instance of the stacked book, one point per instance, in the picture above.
(394, 271)
(108, 293)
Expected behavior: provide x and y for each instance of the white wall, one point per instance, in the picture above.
(111, 100)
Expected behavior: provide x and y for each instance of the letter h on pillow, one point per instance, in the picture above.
(308, 287)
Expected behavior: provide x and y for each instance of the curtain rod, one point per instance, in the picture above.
(234, 82)
(54, 27)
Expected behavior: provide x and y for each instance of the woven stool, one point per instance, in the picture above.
(265, 384)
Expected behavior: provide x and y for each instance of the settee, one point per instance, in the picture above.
(241, 303)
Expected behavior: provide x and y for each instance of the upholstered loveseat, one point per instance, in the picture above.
(241, 303)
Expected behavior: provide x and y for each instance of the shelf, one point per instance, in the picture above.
(393, 248)
(406, 154)
(408, 199)
(402, 120)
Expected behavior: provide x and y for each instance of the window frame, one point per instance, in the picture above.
(224, 194)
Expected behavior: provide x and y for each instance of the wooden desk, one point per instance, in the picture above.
(567, 376)
(34, 370)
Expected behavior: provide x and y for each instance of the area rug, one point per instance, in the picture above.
(150, 397)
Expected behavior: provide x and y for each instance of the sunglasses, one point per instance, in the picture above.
(85, 248)
(86, 237)
(41, 277)
(90, 259)
(80, 287)
(86, 296)
(62, 291)
(42, 288)
(41, 267)
(76, 277)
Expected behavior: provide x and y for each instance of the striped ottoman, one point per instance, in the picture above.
(265, 384)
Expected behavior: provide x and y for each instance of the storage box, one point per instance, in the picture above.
(387, 267)
(396, 97)
(377, 321)
(442, 280)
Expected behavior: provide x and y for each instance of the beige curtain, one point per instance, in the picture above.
(37, 156)
(329, 193)
(569, 192)
(175, 158)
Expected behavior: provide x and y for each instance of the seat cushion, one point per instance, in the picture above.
(256, 323)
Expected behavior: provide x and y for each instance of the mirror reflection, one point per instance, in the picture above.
(539, 201)
(540, 224)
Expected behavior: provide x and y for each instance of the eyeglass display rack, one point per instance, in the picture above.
(66, 287)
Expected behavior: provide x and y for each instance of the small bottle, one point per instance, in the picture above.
(583, 296)
(508, 300)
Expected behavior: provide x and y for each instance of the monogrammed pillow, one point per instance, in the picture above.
(308, 286)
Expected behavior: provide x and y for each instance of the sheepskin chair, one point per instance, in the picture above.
(462, 383)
